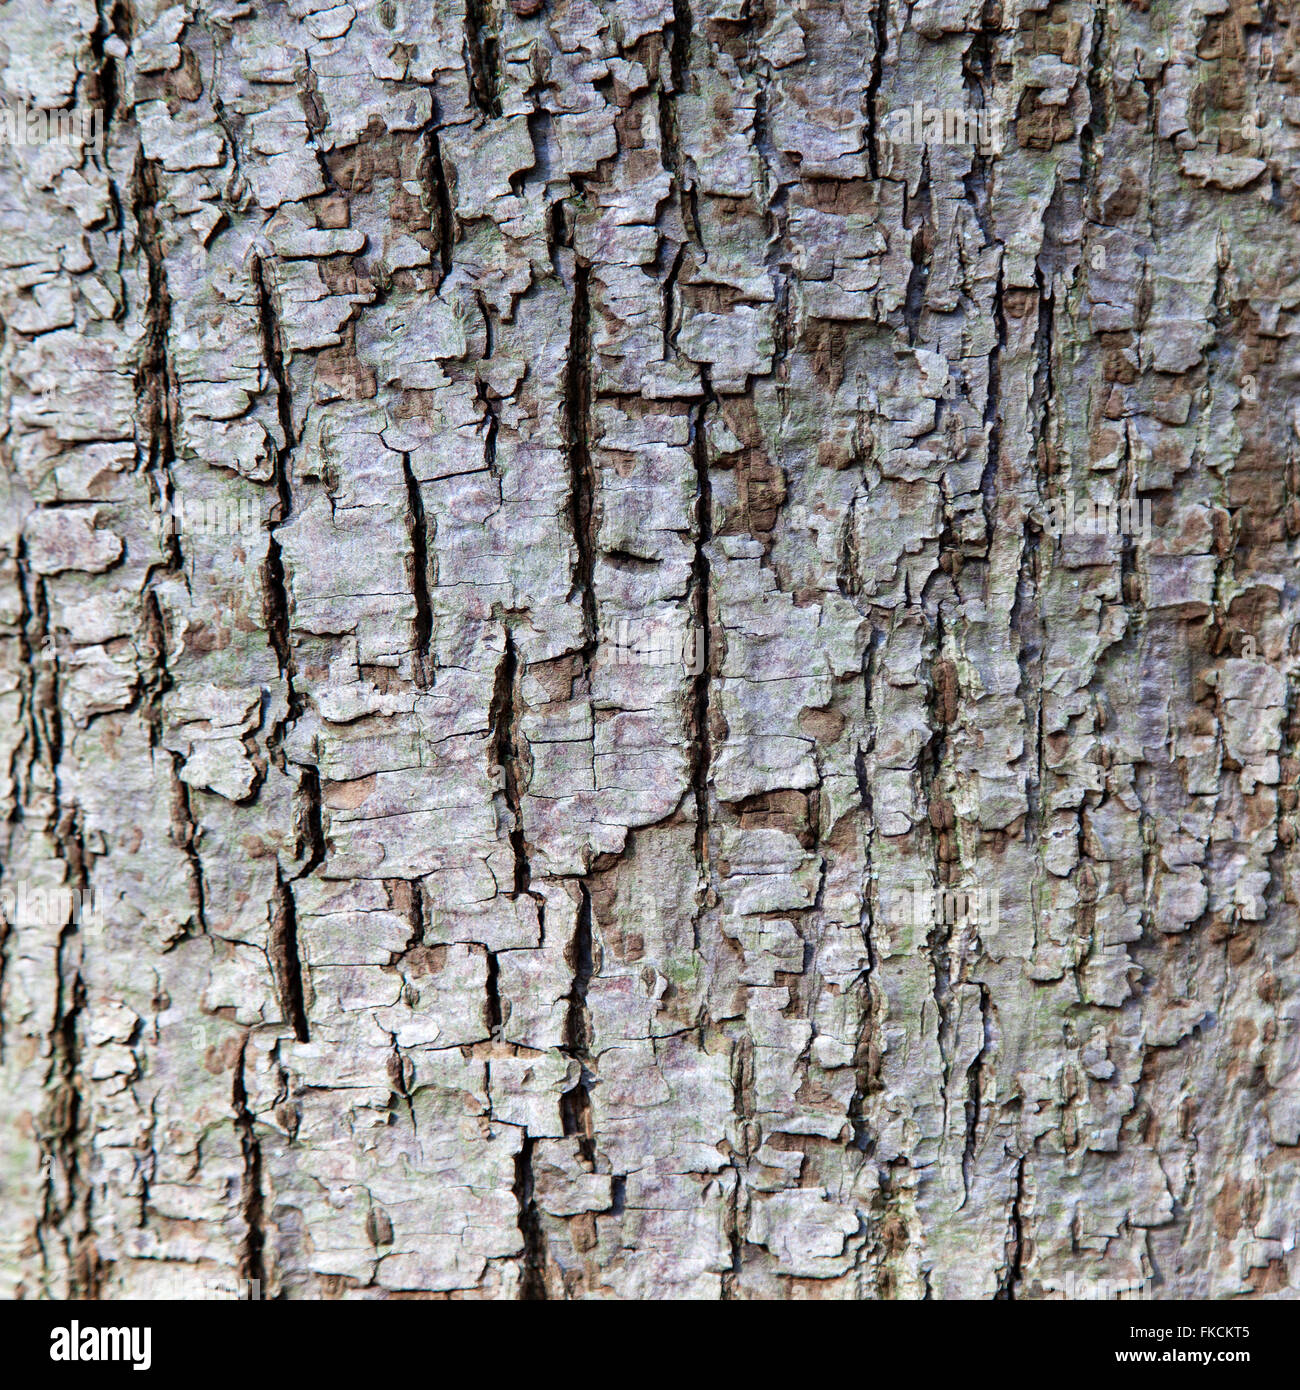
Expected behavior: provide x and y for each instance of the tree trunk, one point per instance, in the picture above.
(571, 729)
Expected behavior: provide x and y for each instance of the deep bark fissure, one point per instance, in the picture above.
(575, 1103)
(506, 755)
(532, 1283)
(419, 532)
(582, 481)
(438, 199)
(482, 62)
(1015, 1239)
(880, 44)
(699, 734)
(252, 1252)
(286, 964)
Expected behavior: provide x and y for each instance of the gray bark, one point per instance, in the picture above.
(424, 934)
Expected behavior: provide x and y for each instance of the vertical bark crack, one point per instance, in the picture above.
(504, 723)
(880, 29)
(532, 1282)
(252, 1263)
(1016, 1239)
(419, 531)
(286, 965)
(438, 199)
(577, 410)
(575, 1104)
(482, 61)
(700, 740)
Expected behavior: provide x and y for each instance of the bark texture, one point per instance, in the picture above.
(439, 950)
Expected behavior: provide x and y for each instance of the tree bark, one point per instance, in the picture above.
(560, 741)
